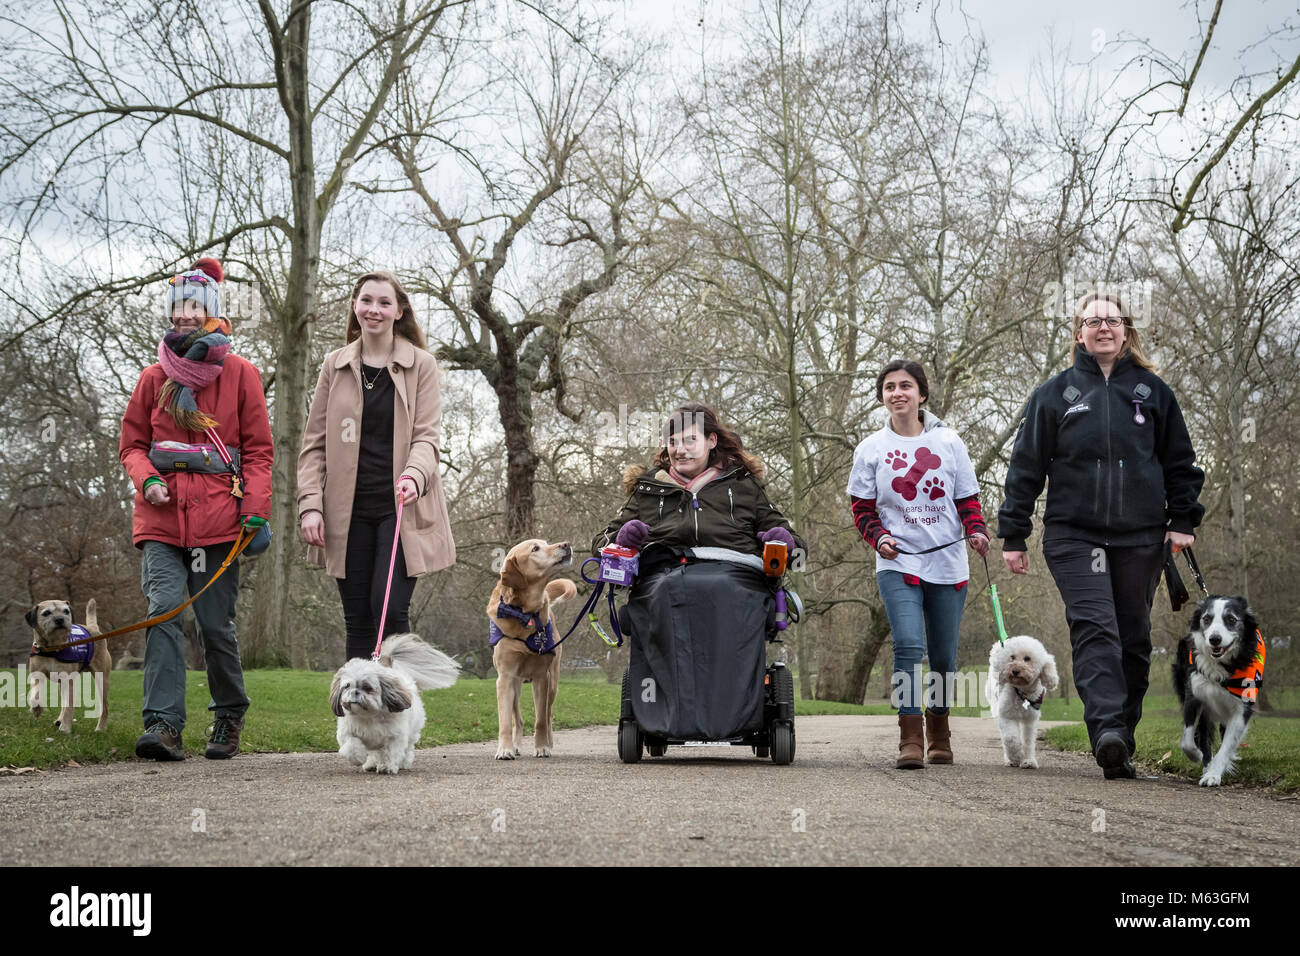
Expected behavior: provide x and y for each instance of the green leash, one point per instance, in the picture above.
(997, 605)
(993, 588)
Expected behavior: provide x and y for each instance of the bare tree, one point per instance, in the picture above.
(558, 219)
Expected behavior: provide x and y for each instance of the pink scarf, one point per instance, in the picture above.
(693, 484)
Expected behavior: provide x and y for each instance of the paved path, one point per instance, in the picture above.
(841, 802)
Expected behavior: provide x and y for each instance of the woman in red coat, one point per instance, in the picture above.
(189, 507)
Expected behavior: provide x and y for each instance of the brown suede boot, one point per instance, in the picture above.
(911, 742)
(939, 749)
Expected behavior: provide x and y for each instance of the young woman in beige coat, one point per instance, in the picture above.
(372, 437)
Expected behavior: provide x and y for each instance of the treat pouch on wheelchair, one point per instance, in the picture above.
(698, 649)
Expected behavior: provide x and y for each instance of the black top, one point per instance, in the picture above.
(374, 496)
(1116, 456)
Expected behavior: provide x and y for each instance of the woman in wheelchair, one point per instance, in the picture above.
(702, 608)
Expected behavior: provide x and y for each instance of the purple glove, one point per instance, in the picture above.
(633, 534)
(778, 534)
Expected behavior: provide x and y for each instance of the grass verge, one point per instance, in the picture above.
(1269, 757)
(290, 713)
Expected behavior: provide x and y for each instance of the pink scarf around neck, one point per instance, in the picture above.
(693, 484)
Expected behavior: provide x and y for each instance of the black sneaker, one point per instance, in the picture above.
(161, 741)
(224, 742)
(1113, 757)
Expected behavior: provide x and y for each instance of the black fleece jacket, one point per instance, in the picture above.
(1115, 453)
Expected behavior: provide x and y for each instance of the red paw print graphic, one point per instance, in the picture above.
(896, 460)
(905, 484)
(934, 488)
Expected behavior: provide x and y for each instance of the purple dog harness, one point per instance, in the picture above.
(540, 641)
(81, 654)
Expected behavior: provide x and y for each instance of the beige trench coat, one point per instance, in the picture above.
(327, 465)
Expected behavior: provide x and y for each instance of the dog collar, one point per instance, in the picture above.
(1036, 703)
(80, 654)
(541, 640)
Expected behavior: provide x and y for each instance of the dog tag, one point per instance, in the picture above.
(1025, 704)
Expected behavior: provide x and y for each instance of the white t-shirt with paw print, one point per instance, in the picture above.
(915, 482)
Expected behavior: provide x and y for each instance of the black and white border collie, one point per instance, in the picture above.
(1221, 641)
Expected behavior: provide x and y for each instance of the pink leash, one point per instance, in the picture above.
(392, 563)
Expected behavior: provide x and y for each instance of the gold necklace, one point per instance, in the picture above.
(371, 383)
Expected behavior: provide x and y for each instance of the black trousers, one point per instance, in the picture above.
(370, 543)
(1107, 593)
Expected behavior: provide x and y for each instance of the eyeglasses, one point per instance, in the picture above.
(1112, 322)
(201, 279)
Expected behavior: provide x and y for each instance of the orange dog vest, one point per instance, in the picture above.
(1245, 682)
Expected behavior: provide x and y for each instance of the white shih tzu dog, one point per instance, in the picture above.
(1021, 672)
(378, 702)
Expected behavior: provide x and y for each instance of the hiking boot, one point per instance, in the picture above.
(939, 745)
(161, 741)
(911, 742)
(224, 742)
(1113, 757)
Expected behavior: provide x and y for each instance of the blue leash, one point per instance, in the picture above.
(589, 610)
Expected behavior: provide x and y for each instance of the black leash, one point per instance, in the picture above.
(937, 547)
(1178, 595)
(1195, 569)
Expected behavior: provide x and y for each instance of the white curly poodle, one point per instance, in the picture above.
(1021, 672)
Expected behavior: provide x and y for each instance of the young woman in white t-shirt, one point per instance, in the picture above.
(913, 488)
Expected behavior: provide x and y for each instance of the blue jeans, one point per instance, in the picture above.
(920, 617)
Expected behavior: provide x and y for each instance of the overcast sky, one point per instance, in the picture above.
(1020, 32)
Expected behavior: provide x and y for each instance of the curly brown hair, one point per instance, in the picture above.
(729, 451)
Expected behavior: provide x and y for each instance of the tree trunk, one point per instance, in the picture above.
(296, 318)
(864, 659)
(514, 404)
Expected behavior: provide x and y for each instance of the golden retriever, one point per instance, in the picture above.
(528, 585)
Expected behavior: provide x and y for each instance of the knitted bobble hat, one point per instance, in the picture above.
(201, 282)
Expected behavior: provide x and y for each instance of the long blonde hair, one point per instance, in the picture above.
(405, 326)
(1132, 344)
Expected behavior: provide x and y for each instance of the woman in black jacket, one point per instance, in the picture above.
(1110, 439)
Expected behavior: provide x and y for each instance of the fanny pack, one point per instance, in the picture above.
(209, 459)
(204, 459)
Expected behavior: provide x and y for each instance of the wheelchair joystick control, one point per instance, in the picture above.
(774, 558)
